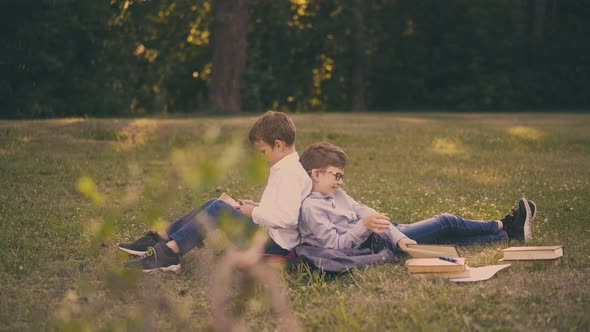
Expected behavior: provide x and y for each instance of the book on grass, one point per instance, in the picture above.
(229, 200)
(532, 253)
(432, 265)
(432, 251)
(531, 262)
(457, 274)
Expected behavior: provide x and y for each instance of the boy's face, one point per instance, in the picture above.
(327, 180)
(271, 153)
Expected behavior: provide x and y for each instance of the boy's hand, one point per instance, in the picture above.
(246, 209)
(377, 223)
(247, 201)
(403, 243)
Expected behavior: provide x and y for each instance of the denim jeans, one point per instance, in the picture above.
(189, 232)
(449, 229)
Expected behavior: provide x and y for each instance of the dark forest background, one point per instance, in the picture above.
(134, 58)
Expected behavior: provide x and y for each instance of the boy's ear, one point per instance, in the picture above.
(315, 175)
(279, 144)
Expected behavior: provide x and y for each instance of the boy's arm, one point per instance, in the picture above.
(317, 229)
(395, 236)
(362, 211)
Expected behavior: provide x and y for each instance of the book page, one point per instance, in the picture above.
(432, 251)
(227, 198)
(481, 273)
(538, 248)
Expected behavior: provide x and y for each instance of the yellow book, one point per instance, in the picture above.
(532, 253)
(531, 262)
(428, 265)
(458, 274)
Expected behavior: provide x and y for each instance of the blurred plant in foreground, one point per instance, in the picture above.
(241, 249)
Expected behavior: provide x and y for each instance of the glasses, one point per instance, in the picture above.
(338, 176)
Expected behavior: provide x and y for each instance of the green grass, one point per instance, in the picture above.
(58, 271)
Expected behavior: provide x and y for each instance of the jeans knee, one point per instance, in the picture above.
(217, 205)
(209, 202)
(445, 217)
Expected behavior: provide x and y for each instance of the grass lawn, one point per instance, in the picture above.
(60, 268)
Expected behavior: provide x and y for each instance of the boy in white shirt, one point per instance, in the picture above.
(273, 135)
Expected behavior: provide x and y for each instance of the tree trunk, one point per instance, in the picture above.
(539, 25)
(359, 58)
(230, 19)
(517, 19)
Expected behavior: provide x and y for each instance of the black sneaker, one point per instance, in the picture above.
(518, 223)
(157, 258)
(139, 246)
(509, 217)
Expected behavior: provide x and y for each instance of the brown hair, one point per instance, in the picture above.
(321, 155)
(272, 126)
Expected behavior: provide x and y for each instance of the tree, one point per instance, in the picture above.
(359, 58)
(230, 19)
(539, 19)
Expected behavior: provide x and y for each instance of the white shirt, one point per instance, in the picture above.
(278, 211)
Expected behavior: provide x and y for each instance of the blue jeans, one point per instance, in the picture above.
(448, 229)
(189, 232)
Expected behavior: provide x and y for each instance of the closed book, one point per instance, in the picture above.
(526, 253)
(457, 274)
(531, 262)
(432, 251)
(421, 265)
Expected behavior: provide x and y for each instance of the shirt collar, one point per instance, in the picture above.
(318, 195)
(290, 158)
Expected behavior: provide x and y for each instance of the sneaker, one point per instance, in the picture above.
(509, 217)
(533, 208)
(528, 231)
(518, 223)
(157, 258)
(140, 246)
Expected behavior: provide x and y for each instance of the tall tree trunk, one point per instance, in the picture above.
(230, 19)
(517, 19)
(539, 20)
(359, 66)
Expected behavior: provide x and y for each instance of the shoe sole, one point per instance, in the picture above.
(533, 208)
(132, 252)
(171, 268)
(528, 235)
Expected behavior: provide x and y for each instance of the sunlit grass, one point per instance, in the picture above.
(412, 166)
(447, 146)
(526, 132)
(137, 132)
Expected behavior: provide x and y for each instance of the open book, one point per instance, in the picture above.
(432, 251)
(229, 200)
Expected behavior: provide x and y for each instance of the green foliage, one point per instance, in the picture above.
(87, 187)
(132, 58)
